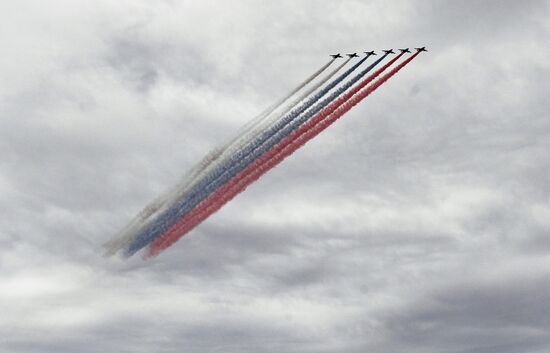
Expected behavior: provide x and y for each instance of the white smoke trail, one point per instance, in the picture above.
(257, 120)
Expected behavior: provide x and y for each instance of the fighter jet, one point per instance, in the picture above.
(369, 53)
(389, 51)
(406, 50)
(353, 55)
(336, 56)
(421, 49)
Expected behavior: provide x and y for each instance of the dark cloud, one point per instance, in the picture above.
(503, 314)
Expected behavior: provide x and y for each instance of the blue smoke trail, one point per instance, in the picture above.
(243, 157)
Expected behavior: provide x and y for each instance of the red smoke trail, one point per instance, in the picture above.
(283, 149)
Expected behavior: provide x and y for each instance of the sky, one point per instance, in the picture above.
(419, 222)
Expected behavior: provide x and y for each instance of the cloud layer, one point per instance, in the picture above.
(418, 223)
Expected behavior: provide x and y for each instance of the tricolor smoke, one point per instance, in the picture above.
(251, 154)
(167, 200)
(243, 157)
(286, 147)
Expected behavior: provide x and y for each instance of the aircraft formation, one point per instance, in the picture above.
(229, 169)
(369, 53)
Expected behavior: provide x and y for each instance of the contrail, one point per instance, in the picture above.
(291, 143)
(250, 125)
(243, 157)
(159, 204)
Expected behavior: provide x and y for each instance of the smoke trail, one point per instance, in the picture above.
(212, 181)
(214, 154)
(267, 161)
(262, 117)
(276, 105)
(155, 207)
(162, 202)
(253, 129)
(244, 157)
(240, 141)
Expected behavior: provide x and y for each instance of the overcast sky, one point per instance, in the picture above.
(420, 222)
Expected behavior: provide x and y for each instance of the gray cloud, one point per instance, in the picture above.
(417, 223)
(495, 313)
